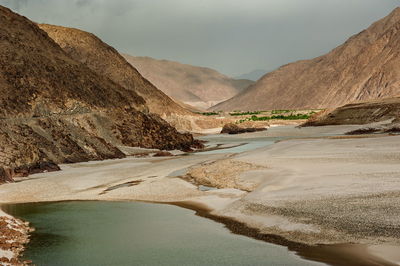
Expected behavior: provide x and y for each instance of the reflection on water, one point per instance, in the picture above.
(126, 233)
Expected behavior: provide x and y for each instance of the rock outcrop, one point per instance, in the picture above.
(197, 86)
(55, 109)
(359, 113)
(233, 129)
(365, 67)
(14, 235)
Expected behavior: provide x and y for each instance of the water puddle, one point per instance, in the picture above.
(206, 188)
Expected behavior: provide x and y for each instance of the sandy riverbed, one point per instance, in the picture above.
(316, 190)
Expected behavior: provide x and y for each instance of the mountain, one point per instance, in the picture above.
(365, 67)
(107, 62)
(55, 109)
(197, 86)
(253, 75)
(103, 59)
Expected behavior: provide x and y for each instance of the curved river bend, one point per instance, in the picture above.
(134, 233)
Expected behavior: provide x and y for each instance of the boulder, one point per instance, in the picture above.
(163, 154)
(232, 128)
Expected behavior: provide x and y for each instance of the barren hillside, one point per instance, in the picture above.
(364, 67)
(197, 86)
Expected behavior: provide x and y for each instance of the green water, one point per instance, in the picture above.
(131, 233)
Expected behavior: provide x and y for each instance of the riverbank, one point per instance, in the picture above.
(325, 190)
(14, 235)
(311, 188)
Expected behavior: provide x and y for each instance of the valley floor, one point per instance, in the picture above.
(312, 190)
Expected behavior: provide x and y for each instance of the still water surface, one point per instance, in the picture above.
(134, 233)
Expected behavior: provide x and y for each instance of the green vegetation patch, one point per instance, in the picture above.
(278, 117)
(245, 113)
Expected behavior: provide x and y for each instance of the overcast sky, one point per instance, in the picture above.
(232, 36)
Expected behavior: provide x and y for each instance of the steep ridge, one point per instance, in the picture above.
(364, 67)
(197, 86)
(103, 59)
(56, 110)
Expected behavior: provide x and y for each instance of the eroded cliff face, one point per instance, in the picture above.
(365, 67)
(55, 109)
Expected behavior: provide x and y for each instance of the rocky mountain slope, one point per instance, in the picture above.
(197, 86)
(365, 67)
(56, 110)
(106, 61)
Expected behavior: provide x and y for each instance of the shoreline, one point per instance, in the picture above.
(14, 236)
(326, 253)
(319, 168)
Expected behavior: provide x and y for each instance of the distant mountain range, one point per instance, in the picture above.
(196, 86)
(253, 75)
(366, 66)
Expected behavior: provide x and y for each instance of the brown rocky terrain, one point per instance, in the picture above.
(232, 129)
(13, 237)
(197, 86)
(365, 67)
(367, 112)
(55, 109)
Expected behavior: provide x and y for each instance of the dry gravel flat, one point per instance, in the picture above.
(325, 190)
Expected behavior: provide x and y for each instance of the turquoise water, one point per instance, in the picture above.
(132, 233)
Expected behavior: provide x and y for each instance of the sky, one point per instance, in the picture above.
(231, 36)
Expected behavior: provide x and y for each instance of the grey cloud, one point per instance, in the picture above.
(14, 4)
(232, 36)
